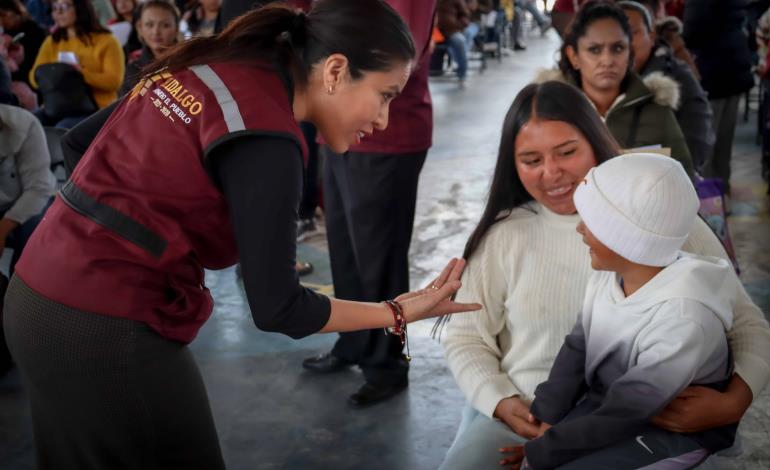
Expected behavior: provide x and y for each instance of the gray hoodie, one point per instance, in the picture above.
(26, 181)
(633, 355)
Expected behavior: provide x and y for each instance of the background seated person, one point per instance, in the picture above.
(17, 23)
(158, 29)
(97, 54)
(26, 181)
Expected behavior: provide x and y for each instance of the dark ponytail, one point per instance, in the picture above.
(369, 33)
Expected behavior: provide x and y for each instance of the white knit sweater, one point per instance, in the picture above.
(530, 273)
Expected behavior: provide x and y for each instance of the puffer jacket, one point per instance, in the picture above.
(644, 114)
(694, 111)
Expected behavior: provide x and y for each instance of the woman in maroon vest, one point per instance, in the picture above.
(198, 167)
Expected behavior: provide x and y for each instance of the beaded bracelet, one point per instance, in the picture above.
(400, 328)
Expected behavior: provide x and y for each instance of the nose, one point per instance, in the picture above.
(381, 123)
(607, 57)
(551, 168)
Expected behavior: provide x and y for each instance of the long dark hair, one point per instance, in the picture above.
(86, 23)
(369, 33)
(548, 101)
(588, 14)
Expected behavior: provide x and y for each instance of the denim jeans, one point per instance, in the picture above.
(458, 52)
(470, 33)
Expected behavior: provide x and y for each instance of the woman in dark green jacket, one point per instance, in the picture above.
(597, 57)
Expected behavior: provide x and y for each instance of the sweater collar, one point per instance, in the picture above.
(554, 219)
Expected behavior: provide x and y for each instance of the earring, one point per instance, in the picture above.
(330, 90)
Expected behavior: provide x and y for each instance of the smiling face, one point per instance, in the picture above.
(602, 55)
(602, 258)
(158, 29)
(552, 158)
(64, 13)
(346, 110)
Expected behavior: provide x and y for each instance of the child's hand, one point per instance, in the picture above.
(513, 457)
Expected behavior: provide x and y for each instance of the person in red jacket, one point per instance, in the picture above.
(198, 167)
(370, 194)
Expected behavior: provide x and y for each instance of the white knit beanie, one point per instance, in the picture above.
(639, 205)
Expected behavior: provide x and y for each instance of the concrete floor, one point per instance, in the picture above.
(270, 414)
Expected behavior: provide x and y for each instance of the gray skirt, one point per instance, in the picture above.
(107, 392)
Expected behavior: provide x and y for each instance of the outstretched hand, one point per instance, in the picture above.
(436, 299)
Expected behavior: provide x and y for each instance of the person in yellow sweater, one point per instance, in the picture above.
(80, 40)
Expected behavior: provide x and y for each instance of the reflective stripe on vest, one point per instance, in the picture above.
(232, 114)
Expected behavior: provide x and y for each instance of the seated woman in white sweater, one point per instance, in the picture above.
(529, 269)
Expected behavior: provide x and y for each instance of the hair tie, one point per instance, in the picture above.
(298, 23)
(297, 29)
(294, 35)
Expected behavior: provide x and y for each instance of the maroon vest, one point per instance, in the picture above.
(131, 232)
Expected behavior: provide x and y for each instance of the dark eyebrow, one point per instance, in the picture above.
(563, 144)
(527, 153)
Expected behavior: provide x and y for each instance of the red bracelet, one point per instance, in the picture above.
(400, 324)
(398, 317)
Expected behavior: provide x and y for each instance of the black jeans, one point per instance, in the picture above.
(107, 392)
(370, 202)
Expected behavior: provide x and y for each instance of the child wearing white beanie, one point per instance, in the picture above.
(653, 323)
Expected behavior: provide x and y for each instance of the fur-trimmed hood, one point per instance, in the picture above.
(664, 90)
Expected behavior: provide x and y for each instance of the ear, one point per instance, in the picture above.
(572, 57)
(335, 71)
(653, 36)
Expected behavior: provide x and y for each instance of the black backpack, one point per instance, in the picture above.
(64, 91)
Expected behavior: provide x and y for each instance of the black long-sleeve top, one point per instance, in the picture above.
(261, 179)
